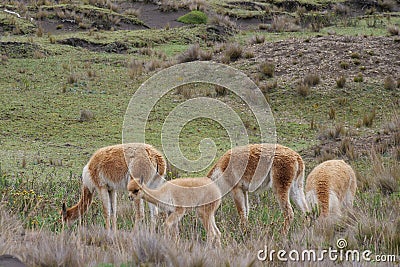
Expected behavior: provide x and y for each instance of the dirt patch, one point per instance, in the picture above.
(19, 50)
(382, 143)
(331, 57)
(153, 18)
(114, 47)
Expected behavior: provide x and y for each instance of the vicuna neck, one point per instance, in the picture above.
(151, 195)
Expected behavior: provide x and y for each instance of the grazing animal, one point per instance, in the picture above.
(330, 186)
(246, 168)
(177, 195)
(109, 170)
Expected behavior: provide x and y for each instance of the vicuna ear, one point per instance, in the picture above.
(64, 210)
(141, 180)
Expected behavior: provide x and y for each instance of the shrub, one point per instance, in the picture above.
(72, 78)
(387, 5)
(355, 55)
(220, 90)
(135, 68)
(358, 78)
(389, 83)
(194, 17)
(267, 69)
(205, 55)
(332, 133)
(368, 118)
(393, 30)
(222, 21)
(39, 31)
(344, 65)
(133, 12)
(303, 89)
(168, 5)
(332, 113)
(312, 79)
(153, 64)
(232, 52)
(341, 9)
(192, 54)
(283, 23)
(340, 82)
(268, 86)
(263, 26)
(197, 5)
(85, 115)
(347, 148)
(257, 39)
(3, 59)
(248, 54)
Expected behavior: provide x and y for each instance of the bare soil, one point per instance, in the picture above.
(375, 57)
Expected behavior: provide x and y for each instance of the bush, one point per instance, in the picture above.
(341, 81)
(303, 89)
(368, 118)
(359, 78)
(312, 79)
(257, 39)
(267, 69)
(192, 54)
(389, 83)
(393, 30)
(232, 52)
(220, 90)
(194, 17)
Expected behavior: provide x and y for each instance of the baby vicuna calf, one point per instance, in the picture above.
(330, 186)
(177, 195)
(246, 168)
(109, 170)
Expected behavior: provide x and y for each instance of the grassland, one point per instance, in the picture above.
(64, 93)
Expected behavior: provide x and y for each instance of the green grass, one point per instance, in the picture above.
(194, 17)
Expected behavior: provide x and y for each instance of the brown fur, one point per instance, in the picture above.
(247, 168)
(330, 180)
(109, 170)
(177, 195)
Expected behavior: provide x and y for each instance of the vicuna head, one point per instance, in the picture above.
(135, 188)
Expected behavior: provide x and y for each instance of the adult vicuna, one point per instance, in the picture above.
(109, 170)
(330, 187)
(177, 195)
(246, 168)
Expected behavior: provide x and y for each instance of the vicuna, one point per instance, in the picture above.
(109, 170)
(330, 187)
(246, 168)
(177, 195)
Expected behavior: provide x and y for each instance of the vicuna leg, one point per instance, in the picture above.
(281, 184)
(240, 202)
(206, 214)
(139, 210)
(105, 199)
(113, 199)
(246, 196)
(173, 220)
(153, 215)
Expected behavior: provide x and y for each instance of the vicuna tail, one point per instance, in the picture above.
(79, 209)
(297, 190)
(323, 198)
